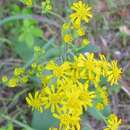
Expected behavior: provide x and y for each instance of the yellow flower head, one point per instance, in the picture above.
(65, 27)
(102, 97)
(19, 71)
(12, 82)
(68, 121)
(81, 32)
(82, 12)
(51, 98)
(28, 2)
(114, 73)
(113, 122)
(68, 38)
(85, 41)
(35, 102)
(86, 97)
(4, 79)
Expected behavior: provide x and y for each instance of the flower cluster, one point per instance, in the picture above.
(82, 13)
(70, 87)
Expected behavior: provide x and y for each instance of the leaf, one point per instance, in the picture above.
(86, 128)
(37, 32)
(106, 111)
(54, 52)
(24, 51)
(88, 48)
(10, 126)
(43, 121)
(115, 89)
(95, 113)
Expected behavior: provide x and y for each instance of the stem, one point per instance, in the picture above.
(16, 122)
(51, 12)
(30, 16)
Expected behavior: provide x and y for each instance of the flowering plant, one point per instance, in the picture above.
(73, 83)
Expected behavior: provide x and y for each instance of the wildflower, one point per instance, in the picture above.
(114, 74)
(81, 32)
(4, 79)
(35, 102)
(85, 41)
(51, 98)
(72, 102)
(12, 82)
(103, 64)
(102, 98)
(68, 38)
(57, 70)
(82, 12)
(24, 79)
(19, 71)
(28, 2)
(86, 96)
(113, 122)
(65, 27)
(68, 121)
(46, 6)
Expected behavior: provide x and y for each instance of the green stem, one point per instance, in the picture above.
(30, 16)
(16, 122)
(51, 12)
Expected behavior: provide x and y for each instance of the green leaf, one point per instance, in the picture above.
(86, 128)
(88, 48)
(24, 51)
(43, 121)
(37, 32)
(107, 110)
(10, 126)
(115, 89)
(54, 52)
(95, 113)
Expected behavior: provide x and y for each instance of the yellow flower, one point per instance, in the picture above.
(81, 32)
(19, 71)
(58, 70)
(65, 27)
(4, 79)
(85, 41)
(68, 38)
(82, 12)
(12, 82)
(113, 122)
(72, 102)
(28, 2)
(35, 102)
(52, 98)
(86, 96)
(68, 121)
(114, 74)
(103, 64)
(102, 98)
(24, 79)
